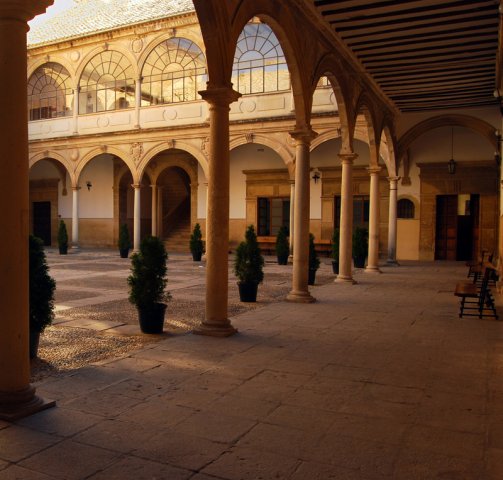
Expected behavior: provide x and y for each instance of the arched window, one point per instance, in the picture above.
(405, 208)
(259, 63)
(174, 71)
(50, 92)
(106, 83)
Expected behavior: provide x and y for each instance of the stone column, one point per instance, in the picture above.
(216, 322)
(154, 210)
(137, 217)
(292, 215)
(393, 182)
(373, 255)
(300, 291)
(75, 217)
(17, 396)
(137, 101)
(76, 110)
(346, 223)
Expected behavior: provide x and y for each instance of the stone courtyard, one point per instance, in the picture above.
(379, 380)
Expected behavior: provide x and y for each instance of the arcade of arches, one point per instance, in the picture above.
(164, 129)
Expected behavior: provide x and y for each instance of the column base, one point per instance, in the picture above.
(392, 263)
(290, 259)
(300, 297)
(20, 404)
(215, 329)
(343, 279)
(372, 270)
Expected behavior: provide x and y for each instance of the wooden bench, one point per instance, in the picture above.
(475, 268)
(267, 246)
(477, 298)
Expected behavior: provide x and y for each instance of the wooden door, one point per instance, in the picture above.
(446, 227)
(42, 221)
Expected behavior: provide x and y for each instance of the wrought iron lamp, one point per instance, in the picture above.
(451, 164)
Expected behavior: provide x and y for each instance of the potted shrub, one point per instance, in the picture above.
(62, 238)
(124, 241)
(196, 243)
(147, 284)
(248, 266)
(335, 251)
(42, 287)
(360, 246)
(314, 261)
(282, 245)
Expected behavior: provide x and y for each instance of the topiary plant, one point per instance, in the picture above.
(62, 238)
(360, 246)
(41, 295)
(282, 245)
(196, 243)
(248, 266)
(147, 284)
(335, 251)
(314, 261)
(124, 241)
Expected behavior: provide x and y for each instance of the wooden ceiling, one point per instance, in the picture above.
(424, 54)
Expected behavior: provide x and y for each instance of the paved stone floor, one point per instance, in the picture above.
(379, 380)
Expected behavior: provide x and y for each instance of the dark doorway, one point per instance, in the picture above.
(457, 226)
(42, 221)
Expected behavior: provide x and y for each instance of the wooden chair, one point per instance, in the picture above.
(475, 298)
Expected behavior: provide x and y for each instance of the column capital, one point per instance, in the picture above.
(303, 135)
(219, 96)
(348, 158)
(136, 185)
(23, 10)
(76, 188)
(373, 170)
(393, 181)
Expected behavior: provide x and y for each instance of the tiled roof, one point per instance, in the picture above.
(92, 16)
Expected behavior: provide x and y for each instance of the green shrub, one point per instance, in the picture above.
(196, 242)
(124, 239)
(282, 244)
(62, 236)
(360, 242)
(42, 287)
(148, 279)
(248, 262)
(335, 245)
(314, 261)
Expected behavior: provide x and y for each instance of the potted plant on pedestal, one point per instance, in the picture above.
(147, 284)
(360, 246)
(62, 238)
(124, 241)
(282, 245)
(314, 261)
(42, 287)
(335, 251)
(248, 266)
(196, 243)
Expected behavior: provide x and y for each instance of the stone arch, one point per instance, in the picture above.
(283, 25)
(179, 145)
(88, 157)
(188, 34)
(95, 51)
(365, 106)
(281, 149)
(329, 67)
(33, 65)
(475, 124)
(387, 150)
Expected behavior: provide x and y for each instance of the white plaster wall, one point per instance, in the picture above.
(97, 202)
(490, 115)
(435, 146)
(251, 156)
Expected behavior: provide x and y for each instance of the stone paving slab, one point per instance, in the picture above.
(379, 380)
